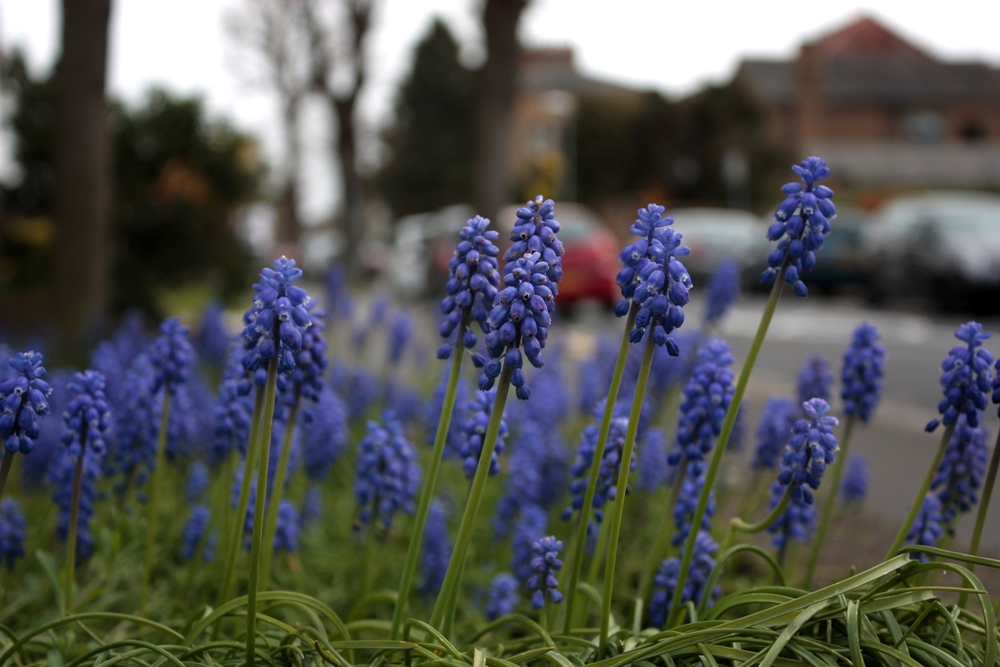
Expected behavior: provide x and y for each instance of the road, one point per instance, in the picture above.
(897, 449)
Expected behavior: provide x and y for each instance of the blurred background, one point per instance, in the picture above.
(153, 153)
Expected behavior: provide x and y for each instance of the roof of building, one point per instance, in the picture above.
(867, 63)
(554, 69)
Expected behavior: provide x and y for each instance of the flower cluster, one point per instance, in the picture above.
(503, 597)
(172, 357)
(864, 368)
(23, 398)
(535, 231)
(608, 471)
(815, 379)
(927, 528)
(87, 419)
(811, 448)
(529, 528)
(231, 413)
(520, 319)
(801, 224)
(722, 291)
(388, 475)
(274, 325)
(455, 438)
(665, 581)
(310, 360)
(323, 434)
(474, 430)
(795, 523)
(472, 283)
(286, 529)
(854, 486)
(213, 339)
(773, 431)
(687, 502)
(653, 469)
(654, 278)
(960, 474)
(62, 474)
(12, 527)
(437, 548)
(703, 407)
(137, 417)
(965, 378)
(545, 564)
(193, 535)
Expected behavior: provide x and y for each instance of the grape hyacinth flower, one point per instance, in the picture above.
(722, 291)
(773, 431)
(545, 564)
(687, 500)
(87, 419)
(520, 319)
(306, 379)
(703, 407)
(286, 533)
(960, 475)
(927, 529)
(797, 522)
(274, 325)
(213, 339)
(172, 357)
(388, 475)
(455, 438)
(503, 597)
(529, 528)
(323, 434)
(864, 368)
(133, 449)
(801, 224)
(535, 231)
(474, 429)
(472, 284)
(12, 526)
(811, 448)
(62, 479)
(665, 581)
(23, 399)
(608, 473)
(399, 335)
(653, 469)
(653, 277)
(854, 488)
(965, 379)
(193, 534)
(437, 548)
(815, 379)
(231, 413)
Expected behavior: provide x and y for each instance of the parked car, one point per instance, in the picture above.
(714, 234)
(425, 243)
(841, 263)
(941, 245)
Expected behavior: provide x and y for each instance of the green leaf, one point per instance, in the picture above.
(51, 569)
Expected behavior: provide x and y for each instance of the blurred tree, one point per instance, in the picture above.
(337, 34)
(496, 89)
(82, 168)
(179, 179)
(430, 163)
(274, 35)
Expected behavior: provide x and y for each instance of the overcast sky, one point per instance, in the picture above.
(671, 46)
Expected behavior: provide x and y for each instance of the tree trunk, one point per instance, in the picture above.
(497, 88)
(82, 251)
(289, 227)
(353, 222)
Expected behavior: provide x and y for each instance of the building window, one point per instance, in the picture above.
(924, 127)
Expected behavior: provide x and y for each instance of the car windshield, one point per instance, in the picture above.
(984, 224)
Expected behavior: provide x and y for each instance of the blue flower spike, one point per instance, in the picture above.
(965, 378)
(23, 398)
(472, 285)
(274, 325)
(545, 564)
(811, 448)
(801, 224)
(863, 373)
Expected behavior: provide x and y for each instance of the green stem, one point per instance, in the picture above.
(458, 554)
(8, 459)
(676, 609)
(258, 520)
(666, 532)
(235, 537)
(580, 545)
(154, 495)
(831, 501)
(273, 505)
(623, 470)
(74, 520)
(600, 549)
(925, 486)
(368, 565)
(739, 525)
(984, 504)
(427, 491)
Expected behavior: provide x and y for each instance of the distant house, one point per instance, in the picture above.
(882, 111)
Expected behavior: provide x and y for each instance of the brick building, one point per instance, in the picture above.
(882, 111)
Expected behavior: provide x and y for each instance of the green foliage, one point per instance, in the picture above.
(431, 140)
(179, 181)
